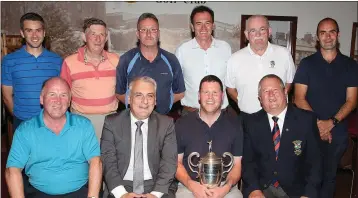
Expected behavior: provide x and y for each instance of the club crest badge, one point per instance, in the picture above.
(297, 147)
(272, 64)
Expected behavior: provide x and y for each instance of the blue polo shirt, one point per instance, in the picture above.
(165, 70)
(55, 164)
(327, 85)
(26, 74)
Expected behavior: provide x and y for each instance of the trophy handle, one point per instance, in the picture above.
(231, 164)
(191, 164)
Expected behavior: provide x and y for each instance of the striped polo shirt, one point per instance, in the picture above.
(92, 88)
(26, 74)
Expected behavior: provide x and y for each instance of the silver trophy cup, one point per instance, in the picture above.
(211, 167)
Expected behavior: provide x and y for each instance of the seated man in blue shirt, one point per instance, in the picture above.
(59, 150)
(148, 59)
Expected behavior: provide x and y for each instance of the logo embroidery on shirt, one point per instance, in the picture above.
(164, 73)
(272, 64)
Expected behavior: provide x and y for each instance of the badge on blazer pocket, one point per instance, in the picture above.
(297, 147)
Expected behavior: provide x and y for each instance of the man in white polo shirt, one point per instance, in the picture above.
(247, 66)
(201, 56)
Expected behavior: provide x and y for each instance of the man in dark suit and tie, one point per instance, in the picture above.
(138, 147)
(282, 158)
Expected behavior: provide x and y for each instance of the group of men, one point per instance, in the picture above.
(279, 150)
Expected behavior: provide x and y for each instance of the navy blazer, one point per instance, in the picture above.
(298, 168)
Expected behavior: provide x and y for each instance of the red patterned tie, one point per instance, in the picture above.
(276, 141)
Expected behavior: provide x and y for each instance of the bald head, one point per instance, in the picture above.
(256, 17)
(54, 81)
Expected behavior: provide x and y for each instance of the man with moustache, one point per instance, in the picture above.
(58, 149)
(247, 66)
(195, 130)
(326, 83)
(24, 71)
(148, 59)
(91, 74)
(201, 56)
(282, 157)
(138, 147)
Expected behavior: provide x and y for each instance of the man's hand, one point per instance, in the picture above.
(304, 197)
(198, 190)
(256, 194)
(220, 192)
(133, 195)
(325, 127)
(148, 195)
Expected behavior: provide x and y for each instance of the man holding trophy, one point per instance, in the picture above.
(209, 146)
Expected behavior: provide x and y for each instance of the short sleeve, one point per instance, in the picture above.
(20, 148)
(121, 75)
(90, 147)
(291, 68)
(237, 149)
(302, 72)
(352, 74)
(178, 79)
(230, 78)
(6, 78)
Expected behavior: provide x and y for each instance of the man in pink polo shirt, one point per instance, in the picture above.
(91, 74)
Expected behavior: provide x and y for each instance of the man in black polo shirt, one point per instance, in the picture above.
(326, 83)
(194, 130)
(148, 59)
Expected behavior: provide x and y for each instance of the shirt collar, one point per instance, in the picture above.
(280, 116)
(195, 44)
(44, 51)
(40, 121)
(82, 58)
(219, 116)
(155, 59)
(134, 119)
(268, 49)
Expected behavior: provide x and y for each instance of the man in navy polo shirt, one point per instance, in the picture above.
(24, 71)
(196, 129)
(326, 83)
(148, 59)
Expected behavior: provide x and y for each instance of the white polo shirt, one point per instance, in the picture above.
(197, 63)
(245, 70)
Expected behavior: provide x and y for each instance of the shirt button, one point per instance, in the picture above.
(275, 172)
(265, 186)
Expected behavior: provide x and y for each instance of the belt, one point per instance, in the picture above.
(190, 109)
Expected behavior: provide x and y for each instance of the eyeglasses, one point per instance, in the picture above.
(140, 97)
(150, 30)
(262, 30)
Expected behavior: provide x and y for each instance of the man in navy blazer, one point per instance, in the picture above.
(281, 157)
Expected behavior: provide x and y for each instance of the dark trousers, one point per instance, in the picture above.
(332, 154)
(80, 193)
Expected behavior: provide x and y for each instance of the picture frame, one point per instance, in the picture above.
(354, 42)
(284, 31)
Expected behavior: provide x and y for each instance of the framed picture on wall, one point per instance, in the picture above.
(284, 31)
(354, 42)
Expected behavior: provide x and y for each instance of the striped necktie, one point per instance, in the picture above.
(276, 141)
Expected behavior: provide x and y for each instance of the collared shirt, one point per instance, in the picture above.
(26, 73)
(327, 85)
(280, 121)
(197, 63)
(193, 135)
(245, 69)
(55, 164)
(120, 190)
(92, 87)
(164, 69)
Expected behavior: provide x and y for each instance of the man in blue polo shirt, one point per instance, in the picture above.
(24, 71)
(326, 83)
(148, 59)
(59, 150)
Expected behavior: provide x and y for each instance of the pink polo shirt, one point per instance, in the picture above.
(92, 88)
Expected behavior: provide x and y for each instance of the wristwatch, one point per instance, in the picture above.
(335, 121)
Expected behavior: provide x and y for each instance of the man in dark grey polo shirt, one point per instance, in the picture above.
(194, 130)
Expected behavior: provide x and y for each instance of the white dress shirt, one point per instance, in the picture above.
(120, 190)
(196, 63)
(245, 69)
(280, 121)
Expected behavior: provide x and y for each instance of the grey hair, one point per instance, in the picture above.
(256, 16)
(271, 76)
(146, 79)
